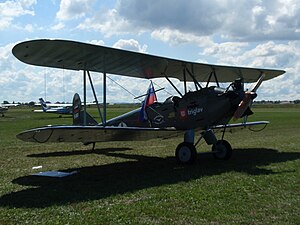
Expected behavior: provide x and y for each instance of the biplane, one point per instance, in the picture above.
(201, 111)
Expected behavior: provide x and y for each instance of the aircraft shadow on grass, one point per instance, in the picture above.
(102, 151)
(97, 182)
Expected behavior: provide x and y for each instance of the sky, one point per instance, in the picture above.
(251, 33)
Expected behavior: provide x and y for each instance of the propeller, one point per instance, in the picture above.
(248, 99)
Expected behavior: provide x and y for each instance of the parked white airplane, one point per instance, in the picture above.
(4, 107)
(59, 109)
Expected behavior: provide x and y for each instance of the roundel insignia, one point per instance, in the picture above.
(122, 124)
(158, 119)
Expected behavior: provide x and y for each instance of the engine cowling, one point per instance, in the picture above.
(248, 99)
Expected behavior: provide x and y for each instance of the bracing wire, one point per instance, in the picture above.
(121, 86)
(162, 87)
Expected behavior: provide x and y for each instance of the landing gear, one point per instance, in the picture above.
(186, 153)
(222, 150)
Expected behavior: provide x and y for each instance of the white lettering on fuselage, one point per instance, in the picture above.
(195, 110)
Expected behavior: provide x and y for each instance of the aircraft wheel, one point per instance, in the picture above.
(185, 153)
(222, 150)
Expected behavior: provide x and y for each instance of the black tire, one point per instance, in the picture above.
(222, 150)
(185, 153)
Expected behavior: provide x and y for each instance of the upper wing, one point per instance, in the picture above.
(79, 56)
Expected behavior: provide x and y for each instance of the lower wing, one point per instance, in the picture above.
(87, 134)
(247, 124)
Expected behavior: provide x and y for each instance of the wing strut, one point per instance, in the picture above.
(184, 80)
(104, 99)
(213, 72)
(197, 85)
(174, 86)
(102, 116)
(95, 96)
(84, 97)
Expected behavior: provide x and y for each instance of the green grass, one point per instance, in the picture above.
(140, 182)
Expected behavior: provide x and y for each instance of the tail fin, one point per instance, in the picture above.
(43, 104)
(149, 100)
(78, 113)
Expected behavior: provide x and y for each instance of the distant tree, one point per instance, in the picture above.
(297, 101)
(31, 103)
(5, 102)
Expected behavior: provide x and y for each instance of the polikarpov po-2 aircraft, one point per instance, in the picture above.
(201, 111)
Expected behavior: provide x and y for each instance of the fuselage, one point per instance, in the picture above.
(196, 109)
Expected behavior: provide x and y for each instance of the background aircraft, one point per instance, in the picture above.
(60, 109)
(4, 107)
(3, 110)
(200, 111)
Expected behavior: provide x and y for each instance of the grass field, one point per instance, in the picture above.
(140, 182)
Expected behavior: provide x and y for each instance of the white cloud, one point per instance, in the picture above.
(107, 22)
(176, 37)
(15, 76)
(5, 22)
(6, 59)
(27, 82)
(240, 20)
(196, 16)
(131, 44)
(198, 22)
(245, 33)
(58, 26)
(265, 55)
(29, 28)
(12, 9)
(96, 42)
(74, 9)
(226, 48)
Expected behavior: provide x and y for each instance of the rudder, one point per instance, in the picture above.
(78, 113)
